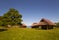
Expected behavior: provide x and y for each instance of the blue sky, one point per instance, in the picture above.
(33, 10)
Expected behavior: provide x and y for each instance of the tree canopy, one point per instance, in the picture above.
(12, 17)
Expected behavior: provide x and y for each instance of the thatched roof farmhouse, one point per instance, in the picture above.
(44, 24)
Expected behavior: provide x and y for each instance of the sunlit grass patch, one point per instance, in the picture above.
(29, 34)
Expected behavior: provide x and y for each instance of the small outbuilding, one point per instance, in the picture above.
(23, 26)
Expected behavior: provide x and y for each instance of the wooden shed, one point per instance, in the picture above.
(44, 24)
(23, 26)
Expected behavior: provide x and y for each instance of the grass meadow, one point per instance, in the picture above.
(29, 34)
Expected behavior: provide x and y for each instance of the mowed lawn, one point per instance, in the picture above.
(29, 34)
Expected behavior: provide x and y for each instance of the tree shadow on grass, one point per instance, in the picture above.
(1, 30)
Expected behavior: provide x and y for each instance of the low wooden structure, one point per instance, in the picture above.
(44, 24)
(23, 26)
(34, 25)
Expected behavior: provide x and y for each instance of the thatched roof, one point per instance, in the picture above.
(46, 21)
(34, 24)
(43, 21)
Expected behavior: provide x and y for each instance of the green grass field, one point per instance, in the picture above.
(29, 34)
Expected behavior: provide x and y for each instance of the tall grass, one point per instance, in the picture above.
(29, 34)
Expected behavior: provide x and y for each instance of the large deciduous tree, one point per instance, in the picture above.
(12, 17)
